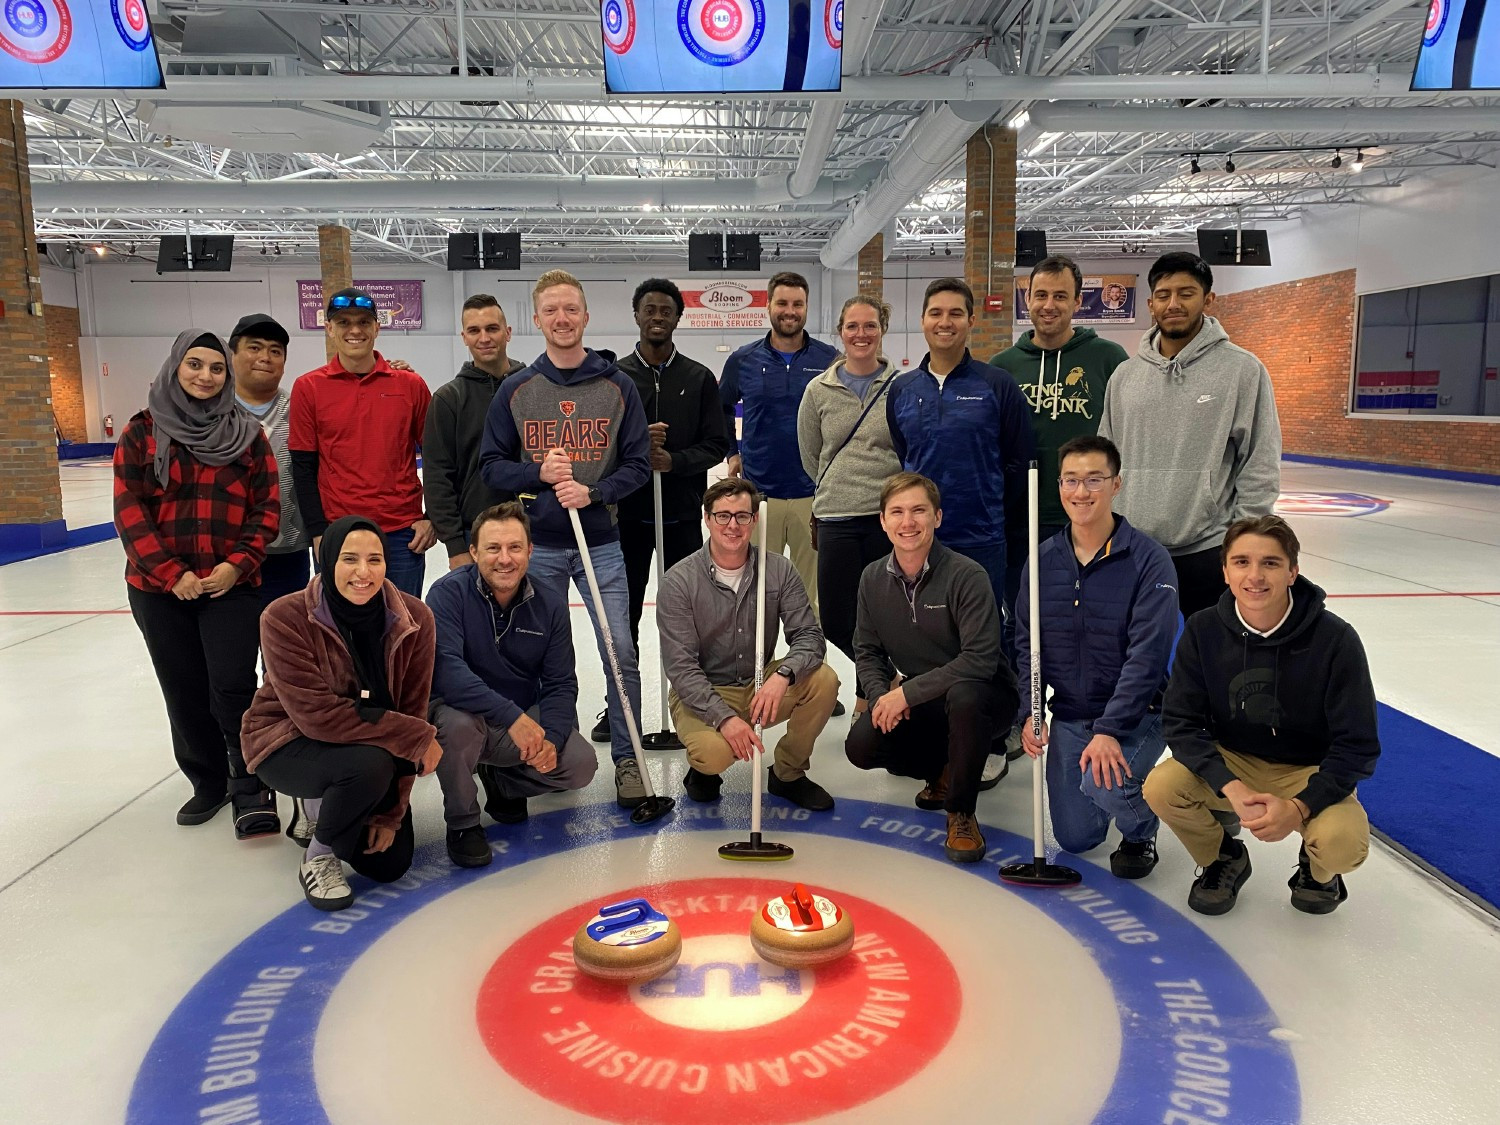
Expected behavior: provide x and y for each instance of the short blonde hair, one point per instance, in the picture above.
(553, 278)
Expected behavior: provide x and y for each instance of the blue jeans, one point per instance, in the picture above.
(1081, 811)
(404, 567)
(552, 567)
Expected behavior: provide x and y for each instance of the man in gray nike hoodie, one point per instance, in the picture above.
(1195, 418)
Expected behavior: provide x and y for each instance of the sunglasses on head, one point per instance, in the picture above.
(343, 301)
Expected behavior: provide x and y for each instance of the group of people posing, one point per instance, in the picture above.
(905, 515)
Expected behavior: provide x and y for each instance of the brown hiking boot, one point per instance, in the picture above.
(935, 794)
(965, 843)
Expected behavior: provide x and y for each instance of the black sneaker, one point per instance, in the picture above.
(502, 809)
(934, 795)
(804, 792)
(1133, 859)
(255, 815)
(200, 809)
(838, 709)
(600, 733)
(702, 786)
(1218, 885)
(1311, 896)
(467, 847)
(1228, 821)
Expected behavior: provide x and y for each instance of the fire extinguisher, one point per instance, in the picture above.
(109, 425)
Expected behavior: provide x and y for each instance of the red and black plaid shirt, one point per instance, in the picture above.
(204, 515)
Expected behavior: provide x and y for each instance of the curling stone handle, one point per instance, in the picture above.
(618, 916)
(802, 899)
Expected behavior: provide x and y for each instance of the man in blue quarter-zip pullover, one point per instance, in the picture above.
(770, 376)
(504, 689)
(1108, 616)
(569, 432)
(962, 424)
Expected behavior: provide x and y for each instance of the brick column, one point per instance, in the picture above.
(30, 493)
(872, 267)
(66, 370)
(337, 265)
(990, 238)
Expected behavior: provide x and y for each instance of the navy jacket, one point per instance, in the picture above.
(973, 439)
(772, 392)
(1107, 629)
(499, 663)
(1301, 696)
(592, 411)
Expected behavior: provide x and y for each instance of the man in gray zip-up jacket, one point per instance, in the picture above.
(705, 611)
(1195, 418)
(929, 614)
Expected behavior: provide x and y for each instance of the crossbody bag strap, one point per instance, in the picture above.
(876, 397)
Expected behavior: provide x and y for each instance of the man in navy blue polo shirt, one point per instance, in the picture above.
(770, 376)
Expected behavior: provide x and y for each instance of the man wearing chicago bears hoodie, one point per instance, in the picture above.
(1270, 716)
(569, 432)
(1195, 419)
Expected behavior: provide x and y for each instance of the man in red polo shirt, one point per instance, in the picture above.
(355, 426)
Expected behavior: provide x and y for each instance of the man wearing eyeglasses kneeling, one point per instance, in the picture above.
(705, 611)
(1109, 613)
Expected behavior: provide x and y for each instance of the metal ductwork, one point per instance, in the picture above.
(1352, 121)
(861, 19)
(326, 196)
(929, 146)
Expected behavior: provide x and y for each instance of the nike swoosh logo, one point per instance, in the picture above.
(1205, 398)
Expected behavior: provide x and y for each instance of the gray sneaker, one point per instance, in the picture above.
(1218, 885)
(324, 884)
(630, 790)
(1013, 747)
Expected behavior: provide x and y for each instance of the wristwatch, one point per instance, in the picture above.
(595, 496)
(783, 670)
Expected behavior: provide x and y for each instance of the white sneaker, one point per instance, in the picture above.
(324, 884)
(996, 766)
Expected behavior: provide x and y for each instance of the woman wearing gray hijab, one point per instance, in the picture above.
(196, 502)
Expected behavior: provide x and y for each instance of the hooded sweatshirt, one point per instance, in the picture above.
(1199, 439)
(1064, 391)
(1301, 697)
(451, 485)
(592, 411)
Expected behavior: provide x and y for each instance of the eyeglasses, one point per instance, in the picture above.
(723, 518)
(344, 301)
(1093, 484)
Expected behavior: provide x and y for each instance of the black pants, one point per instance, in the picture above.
(845, 548)
(953, 731)
(1200, 580)
(284, 574)
(354, 782)
(204, 654)
(637, 544)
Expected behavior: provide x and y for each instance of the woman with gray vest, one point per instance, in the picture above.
(846, 450)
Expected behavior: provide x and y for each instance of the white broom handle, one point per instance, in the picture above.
(609, 648)
(760, 664)
(1034, 597)
(661, 655)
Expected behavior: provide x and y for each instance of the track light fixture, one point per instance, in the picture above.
(1229, 164)
(1359, 161)
(932, 249)
(1338, 159)
(1193, 167)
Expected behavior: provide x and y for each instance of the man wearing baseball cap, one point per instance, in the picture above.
(356, 423)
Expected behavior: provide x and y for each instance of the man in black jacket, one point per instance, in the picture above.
(681, 398)
(929, 614)
(1270, 715)
(451, 486)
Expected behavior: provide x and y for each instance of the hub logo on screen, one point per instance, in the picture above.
(36, 31)
(721, 32)
(619, 25)
(98, 44)
(1437, 18)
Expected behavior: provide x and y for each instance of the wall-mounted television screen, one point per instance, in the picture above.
(1234, 247)
(714, 46)
(1460, 46)
(77, 44)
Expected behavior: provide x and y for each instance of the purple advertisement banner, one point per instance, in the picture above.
(398, 303)
(1108, 299)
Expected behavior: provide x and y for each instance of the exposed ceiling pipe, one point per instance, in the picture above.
(1351, 121)
(961, 86)
(930, 144)
(393, 195)
(1341, 33)
(860, 20)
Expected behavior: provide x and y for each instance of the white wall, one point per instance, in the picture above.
(58, 287)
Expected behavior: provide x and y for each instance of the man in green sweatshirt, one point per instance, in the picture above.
(1062, 372)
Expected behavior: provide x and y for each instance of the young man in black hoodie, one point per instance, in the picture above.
(1270, 715)
(451, 485)
(686, 427)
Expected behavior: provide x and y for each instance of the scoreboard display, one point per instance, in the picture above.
(64, 44)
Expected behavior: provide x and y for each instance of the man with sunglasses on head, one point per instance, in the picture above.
(1108, 616)
(356, 424)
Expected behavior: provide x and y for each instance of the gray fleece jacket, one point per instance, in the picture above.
(851, 485)
(1199, 439)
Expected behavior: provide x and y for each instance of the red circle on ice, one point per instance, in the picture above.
(725, 1038)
